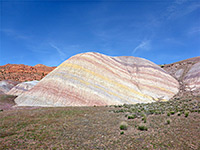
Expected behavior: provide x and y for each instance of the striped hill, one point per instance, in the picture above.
(22, 88)
(89, 79)
(187, 72)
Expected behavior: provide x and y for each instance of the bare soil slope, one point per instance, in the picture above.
(7, 85)
(187, 72)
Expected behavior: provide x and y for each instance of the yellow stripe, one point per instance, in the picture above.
(109, 80)
(162, 89)
(87, 83)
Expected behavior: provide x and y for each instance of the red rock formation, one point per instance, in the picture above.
(20, 72)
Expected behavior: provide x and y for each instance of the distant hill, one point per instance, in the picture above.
(7, 85)
(21, 72)
(22, 87)
(187, 72)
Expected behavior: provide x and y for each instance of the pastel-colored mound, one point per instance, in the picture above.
(192, 79)
(22, 87)
(6, 85)
(187, 72)
(95, 79)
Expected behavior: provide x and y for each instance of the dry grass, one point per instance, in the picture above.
(95, 128)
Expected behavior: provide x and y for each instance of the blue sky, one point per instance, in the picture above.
(49, 31)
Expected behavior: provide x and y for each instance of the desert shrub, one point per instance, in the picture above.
(162, 66)
(157, 113)
(144, 119)
(179, 114)
(168, 114)
(122, 132)
(186, 114)
(142, 128)
(151, 111)
(172, 112)
(132, 117)
(123, 126)
(168, 121)
(121, 110)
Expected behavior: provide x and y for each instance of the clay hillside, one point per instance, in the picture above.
(7, 85)
(22, 87)
(21, 72)
(90, 79)
(187, 72)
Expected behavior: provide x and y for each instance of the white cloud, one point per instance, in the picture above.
(180, 1)
(144, 45)
(173, 41)
(191, 8)
(60, 52)
(180, 8)
(14, 34)
(194, 30)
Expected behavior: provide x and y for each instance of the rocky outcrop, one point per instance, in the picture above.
(6, 85)
(187, 72)
(24, 73)
(95, 79)
(22, 88)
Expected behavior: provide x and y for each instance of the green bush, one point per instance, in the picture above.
(186, 114)
(122, 132)
(144, 119)
(172, 112)
(168, 121)
(142, 128)
(162, 66)
(132, 117)
(168, 114)
(123, 126)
